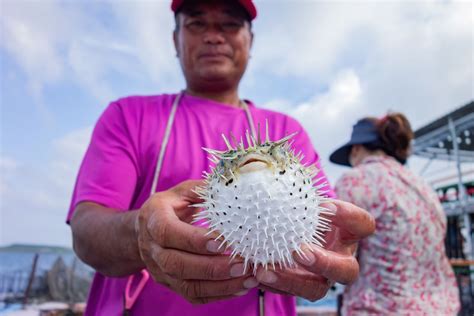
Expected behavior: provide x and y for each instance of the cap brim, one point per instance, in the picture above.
(341, 155)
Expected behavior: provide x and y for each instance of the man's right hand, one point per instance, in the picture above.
(180, 255)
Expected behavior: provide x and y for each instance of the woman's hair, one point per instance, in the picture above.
(395, 135)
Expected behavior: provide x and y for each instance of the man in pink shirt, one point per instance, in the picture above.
(153, 144)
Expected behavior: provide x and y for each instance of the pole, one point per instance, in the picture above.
(30, 280)
(461, 191)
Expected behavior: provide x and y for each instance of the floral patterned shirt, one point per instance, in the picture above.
(403, 266)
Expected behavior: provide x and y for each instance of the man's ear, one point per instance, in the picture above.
(175, 41)
(251, 39)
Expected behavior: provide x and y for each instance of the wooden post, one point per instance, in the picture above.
(30, 280)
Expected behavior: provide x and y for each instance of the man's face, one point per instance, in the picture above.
(213, 41)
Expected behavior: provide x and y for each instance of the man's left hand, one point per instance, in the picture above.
(313, 277)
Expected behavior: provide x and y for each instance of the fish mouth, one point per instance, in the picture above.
(252, 163)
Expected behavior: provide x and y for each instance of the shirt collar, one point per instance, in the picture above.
(378, 158)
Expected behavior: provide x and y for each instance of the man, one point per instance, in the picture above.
(119, 229)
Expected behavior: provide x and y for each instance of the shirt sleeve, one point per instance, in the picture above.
(109, 170)
(303, 142)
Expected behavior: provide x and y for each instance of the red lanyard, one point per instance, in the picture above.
(129, 298)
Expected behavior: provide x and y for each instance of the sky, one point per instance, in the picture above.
(326, 63)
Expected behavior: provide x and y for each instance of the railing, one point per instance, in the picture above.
(464, 270)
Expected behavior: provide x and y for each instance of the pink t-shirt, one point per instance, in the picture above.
(117, 172)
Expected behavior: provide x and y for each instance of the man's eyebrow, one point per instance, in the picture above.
(193, 12)
(233, 14)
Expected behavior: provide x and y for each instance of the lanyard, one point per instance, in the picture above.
(129, 297)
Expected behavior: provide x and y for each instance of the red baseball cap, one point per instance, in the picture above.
(246, 4)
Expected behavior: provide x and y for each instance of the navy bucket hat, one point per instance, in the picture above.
(363, 132)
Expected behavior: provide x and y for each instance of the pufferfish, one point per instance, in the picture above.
(263, 202)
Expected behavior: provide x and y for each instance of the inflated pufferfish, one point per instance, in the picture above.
(262, 201)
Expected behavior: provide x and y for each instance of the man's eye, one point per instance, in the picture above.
(196, 26)
(231, 26)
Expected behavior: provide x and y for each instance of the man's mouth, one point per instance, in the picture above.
(214, 54)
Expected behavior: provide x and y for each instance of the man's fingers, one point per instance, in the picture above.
(183, 265)
(294, 282)
(169, 231)
(354, 222)
(164, 224)
(336, 267)
(201, 291)
(185, 193)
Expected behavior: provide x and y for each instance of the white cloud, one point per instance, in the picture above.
(411, 50)
(344, 93)
(54, 41)
(28, 47)
(87, 63)
(148, 27)
(407, 54)
(304, 39)
(41, 196)
(32, 38)
(8, 167)
(7, 164)
(68, 152)
(327, 117)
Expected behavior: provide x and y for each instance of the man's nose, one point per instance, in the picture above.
(214, 34)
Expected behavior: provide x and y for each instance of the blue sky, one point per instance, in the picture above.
(325, 63)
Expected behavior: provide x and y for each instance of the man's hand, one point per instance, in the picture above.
(313, 276)
(181, 256)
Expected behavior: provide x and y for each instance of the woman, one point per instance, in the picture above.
(404, 268)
